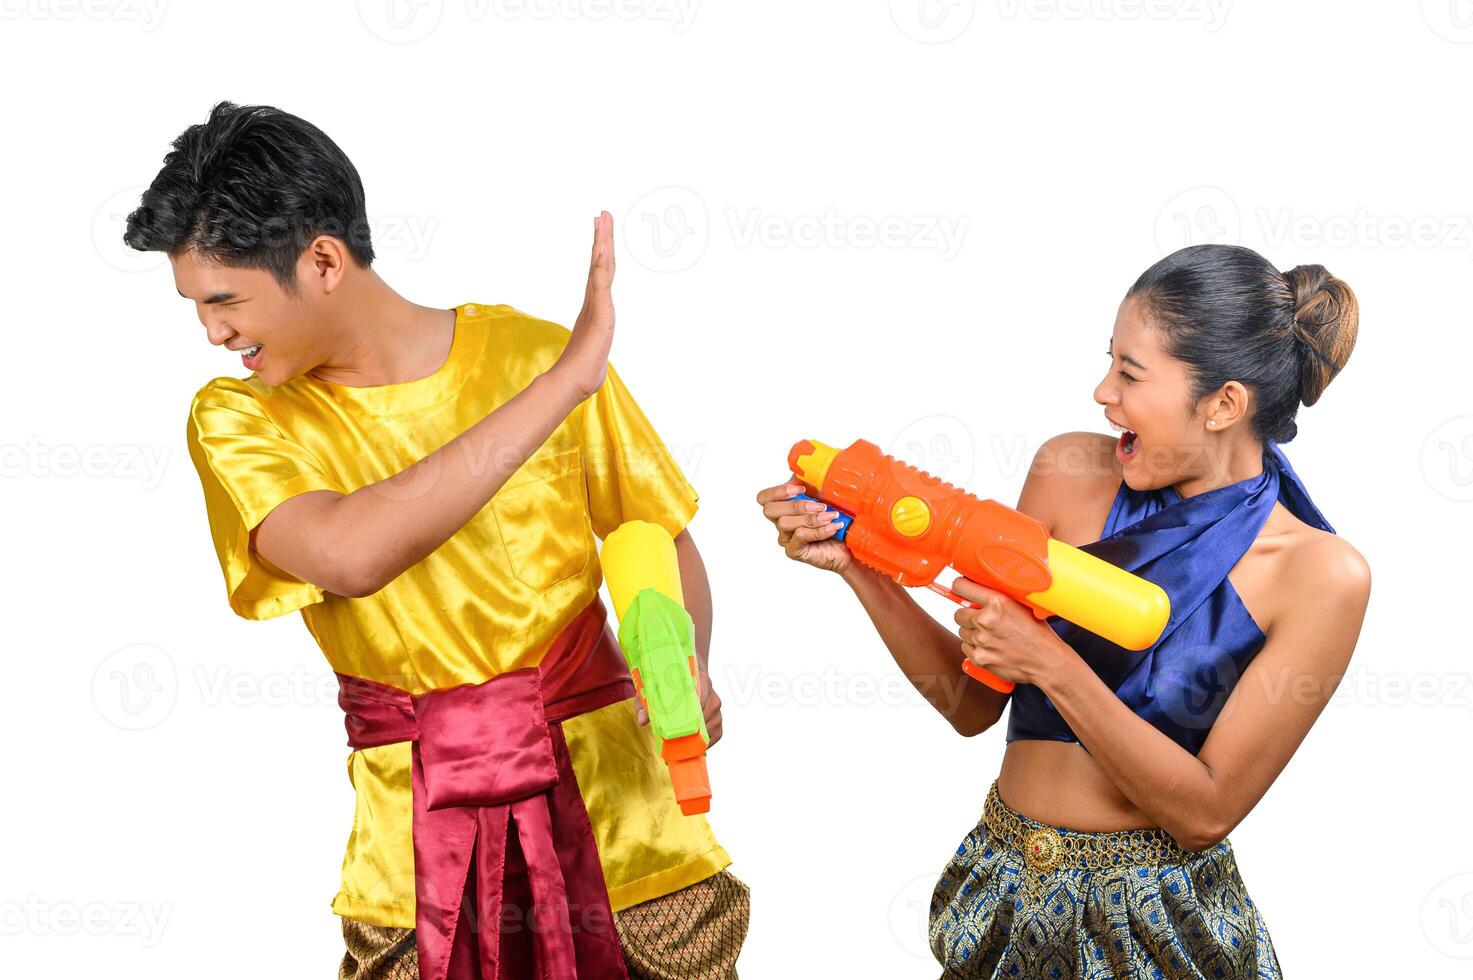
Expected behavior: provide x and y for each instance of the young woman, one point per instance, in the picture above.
(1102, 849)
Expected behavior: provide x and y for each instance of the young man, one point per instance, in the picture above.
(425, 485)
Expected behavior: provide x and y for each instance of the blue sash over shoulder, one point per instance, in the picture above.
(1186, 546)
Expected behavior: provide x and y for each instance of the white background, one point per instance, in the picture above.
(176, 802)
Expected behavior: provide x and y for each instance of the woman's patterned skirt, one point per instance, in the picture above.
(1022, 900)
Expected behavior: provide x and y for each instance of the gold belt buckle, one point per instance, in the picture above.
(1043, 848)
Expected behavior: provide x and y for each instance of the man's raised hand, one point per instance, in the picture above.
(585, 361)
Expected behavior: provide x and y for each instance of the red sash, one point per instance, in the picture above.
(507, 876)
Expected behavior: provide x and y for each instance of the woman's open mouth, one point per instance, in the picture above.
(1125, 449)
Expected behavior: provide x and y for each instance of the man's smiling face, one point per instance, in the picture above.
(243, 308)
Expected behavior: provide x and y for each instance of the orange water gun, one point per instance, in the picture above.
(910, 525)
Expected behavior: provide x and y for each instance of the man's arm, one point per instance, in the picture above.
(354, 544)
(696, 588)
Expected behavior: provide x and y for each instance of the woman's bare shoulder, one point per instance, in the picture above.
(1316, 572)
(1319, 562)
(1308, 555)
(1071, 485)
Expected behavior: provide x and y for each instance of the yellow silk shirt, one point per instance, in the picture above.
(487, 601)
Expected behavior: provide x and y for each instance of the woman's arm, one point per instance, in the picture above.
(354, 544)
(1200, 799)
(927, 653)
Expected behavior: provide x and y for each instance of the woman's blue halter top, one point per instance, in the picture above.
(1186, 546)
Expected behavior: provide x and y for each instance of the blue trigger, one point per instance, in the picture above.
(843, 520)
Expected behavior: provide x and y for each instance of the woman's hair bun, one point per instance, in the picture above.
(1326, 318)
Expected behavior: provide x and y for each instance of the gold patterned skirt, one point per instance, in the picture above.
(1021, 899)
(695, 933)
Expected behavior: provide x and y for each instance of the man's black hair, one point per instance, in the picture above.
(251, 187)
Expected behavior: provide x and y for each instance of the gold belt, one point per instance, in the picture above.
(1046, 848)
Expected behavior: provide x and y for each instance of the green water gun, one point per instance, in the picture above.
(659, 641)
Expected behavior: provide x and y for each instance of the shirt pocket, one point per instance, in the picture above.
(542, 516)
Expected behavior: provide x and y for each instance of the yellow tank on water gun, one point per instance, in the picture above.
(910, 525)
(659, 641)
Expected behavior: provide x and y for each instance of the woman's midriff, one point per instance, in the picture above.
(1059, 783)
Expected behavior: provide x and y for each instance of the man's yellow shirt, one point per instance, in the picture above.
(487, 601)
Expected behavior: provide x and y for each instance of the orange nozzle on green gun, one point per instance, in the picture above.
(910, 525)
(659, 641)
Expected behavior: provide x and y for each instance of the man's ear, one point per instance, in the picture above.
(323, 263)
